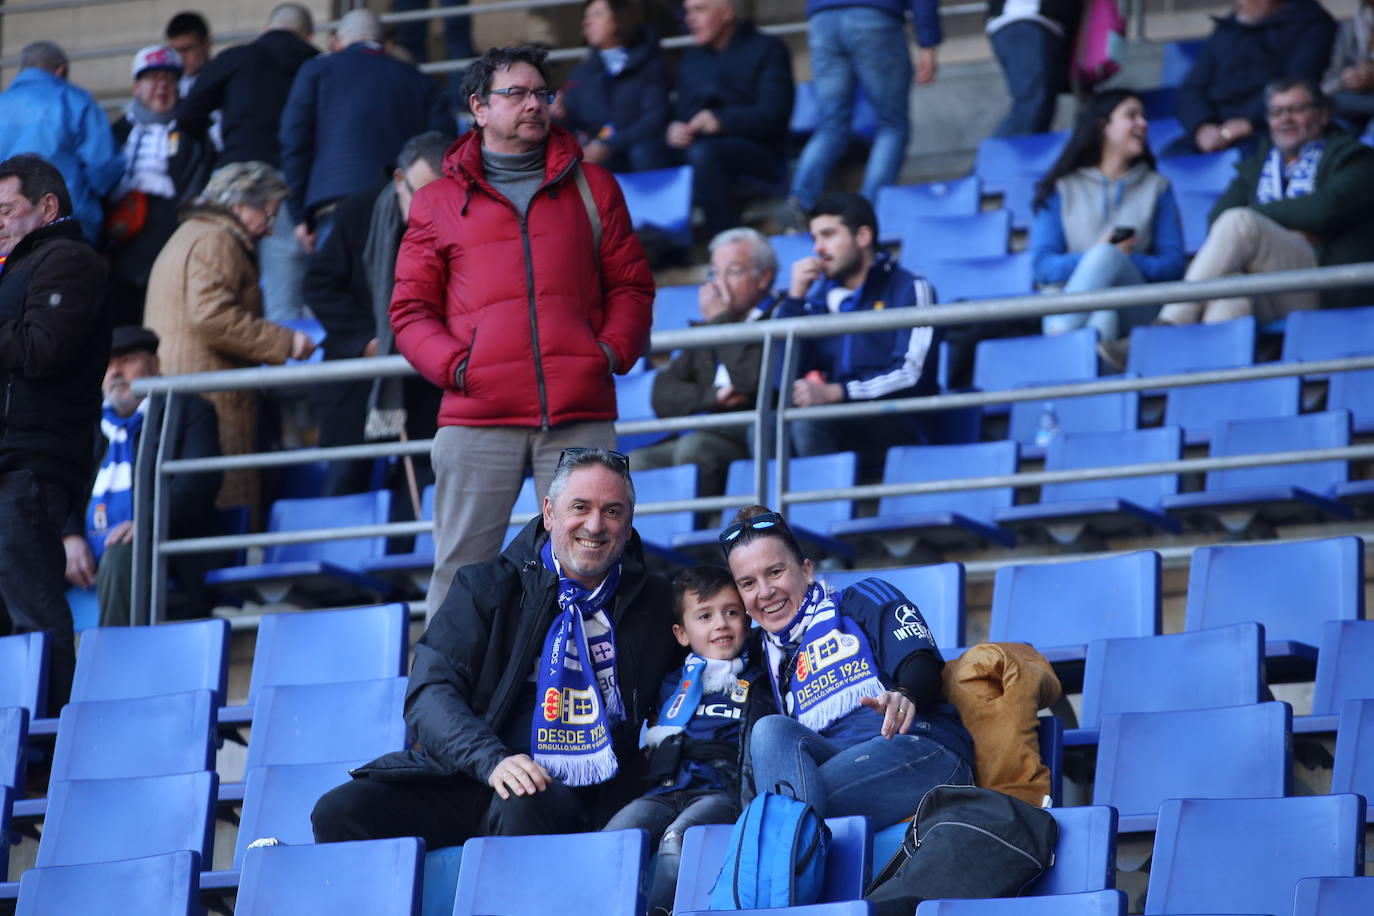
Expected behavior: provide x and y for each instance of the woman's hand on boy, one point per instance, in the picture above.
(897, 709)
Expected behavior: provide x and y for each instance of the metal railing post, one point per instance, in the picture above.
(781, 450)
(157, 573)
(146, 543)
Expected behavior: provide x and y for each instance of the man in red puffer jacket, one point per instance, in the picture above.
(520, 290)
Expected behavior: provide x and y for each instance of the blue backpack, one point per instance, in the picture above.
(776, 856)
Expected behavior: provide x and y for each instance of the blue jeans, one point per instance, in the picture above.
(1034, 63)
(868, 46)
(881, 778)
(281, 265)
(667, 817)
(1103, 266)
(414, 36)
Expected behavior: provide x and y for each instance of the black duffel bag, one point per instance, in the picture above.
(965, 842)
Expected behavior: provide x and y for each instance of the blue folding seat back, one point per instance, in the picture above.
(320, 723)
(791, 248)
(1093, 450)
(14, 738)
(811, 473)
(103, 820)
(1247, 855)
(1344, 671)
(502, 874)
(1166, 349)
(1220, 666)
(325, 647)
(1084, 853)
(676, 307)
(277, 801)
(118, 663)
(1030, 154)
(937, 590)
(527, 505)
(847, 866)
(1329, 429)
(1353, 770)
(634, 398)
(842, 908)
(371, 508)
(1159, 109)
(661, 198)
(1353, 391)
(376, 877)
(1210, 172)
(1177, 59)
(917, 463)
(1221, 752)
(1094, 903)
(424, 543)
(1014, 362)
(1067, 605)
(1334, 897)
(146, 736)
(661, 485)
(1194, 208)
(1114, 412)
(927, 239)
(6, 808)
(806, 114)
(1199, 408)
(1328, 334)
(24, 672)
(160, 885)
(958, 279)
(898, 202)
(1292, 588)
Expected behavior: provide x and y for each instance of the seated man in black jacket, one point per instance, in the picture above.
(510, 735)
(99, 534)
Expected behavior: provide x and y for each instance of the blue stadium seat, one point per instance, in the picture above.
(959, 279)
(1328, 334)
(376, 877)
(326, 647)
(1282, 494)
(1220, 666)
(1015, 362)
(323, 572)
(926, 240)
(1084, 854)
(842, 908)
(277, 801)
(1093, 903)
(1095, 413)
(526, 504)
(1165, 349)
(1334, 897)
(14, 739)
(1205, 172)
(324, 723)
(1113, 507)
(24, 672)
(1292, 588)
(1031, 154)
(1222, 752)
(1246, 855)
(897, 202)
(503, 874)
(6, 802)
(941, 521)
(1164, 127)
(413, 568)
(159, 885)
(1194, 207)
(806, 114)
(656, 531)
(120, 663)
(937, 590)
(1178, 58)
(634, 399)
(811, 522)
(1061, 607)
(105, 820)
(301, 480)
(1353, 770)
(1199, 408)
(676, 307)
(704, 848)
(1353, 391)
(789, 249)
(1343, 672)
(661, 198)
(147, 736)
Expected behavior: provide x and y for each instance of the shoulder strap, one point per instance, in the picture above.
(593, 215)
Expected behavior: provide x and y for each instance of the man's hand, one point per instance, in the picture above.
(1208, 138)
(305, 237)
(596, 152)
(371, 348)
(679, 135)
(301, 345)
(728, 398)
(925, 66)
(123, 533)
(807, 393)
(897, 710)
(80, 561)
(1358, 78)
(805, 272)
(704, 122)
(519, 775)
(714, 300)
(1236, 130)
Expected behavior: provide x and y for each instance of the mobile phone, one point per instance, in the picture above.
(1121, 234)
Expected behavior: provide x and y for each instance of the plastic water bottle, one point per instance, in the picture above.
(1048, 429)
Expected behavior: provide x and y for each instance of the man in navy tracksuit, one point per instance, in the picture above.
(848, 274)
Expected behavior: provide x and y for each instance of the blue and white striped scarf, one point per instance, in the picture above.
(112, 496)
(1297, 180)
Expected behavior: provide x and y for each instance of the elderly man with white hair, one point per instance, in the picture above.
(347, 115)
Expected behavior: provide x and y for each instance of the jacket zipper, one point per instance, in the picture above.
(534, 324)
(9, 391)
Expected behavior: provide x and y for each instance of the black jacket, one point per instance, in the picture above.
(687, 385)
(1228, 78)
(249, 83)
(748, 85)
(336, 279)
(473, 666)
(634, 101)
(54, 348)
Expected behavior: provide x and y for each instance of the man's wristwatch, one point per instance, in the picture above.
(1226, 134)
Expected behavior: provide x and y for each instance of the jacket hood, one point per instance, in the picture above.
(67, 227)
(287, 49)
(1134, 175)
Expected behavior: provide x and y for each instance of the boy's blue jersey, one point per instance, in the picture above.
(718, 717)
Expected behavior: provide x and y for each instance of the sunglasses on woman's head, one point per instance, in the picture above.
(760, 522)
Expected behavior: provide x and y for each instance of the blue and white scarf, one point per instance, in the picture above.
(1297, 180)
(700, 676)
(821, 666)
(112, 496)
(575, 709)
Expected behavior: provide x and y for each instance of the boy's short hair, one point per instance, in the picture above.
(704, 580)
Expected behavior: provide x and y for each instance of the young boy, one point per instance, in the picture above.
(694, 746)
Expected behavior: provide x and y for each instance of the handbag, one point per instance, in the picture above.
(1101, 45)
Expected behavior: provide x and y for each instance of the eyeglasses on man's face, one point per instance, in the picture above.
(518, 94)
(1279, 111)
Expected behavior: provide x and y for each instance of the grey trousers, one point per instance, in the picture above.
(478, 471)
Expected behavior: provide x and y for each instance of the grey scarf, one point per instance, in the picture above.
(386, 414)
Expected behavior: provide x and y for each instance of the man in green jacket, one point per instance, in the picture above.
(1304, 198)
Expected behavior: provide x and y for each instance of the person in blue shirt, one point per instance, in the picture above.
(864, 728)
(695, 744)
(44, 114)
(1104, 217)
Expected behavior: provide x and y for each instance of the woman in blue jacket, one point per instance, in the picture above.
(616, 99)
(1104, 217)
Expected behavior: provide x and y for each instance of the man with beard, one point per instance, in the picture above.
(849, 274)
